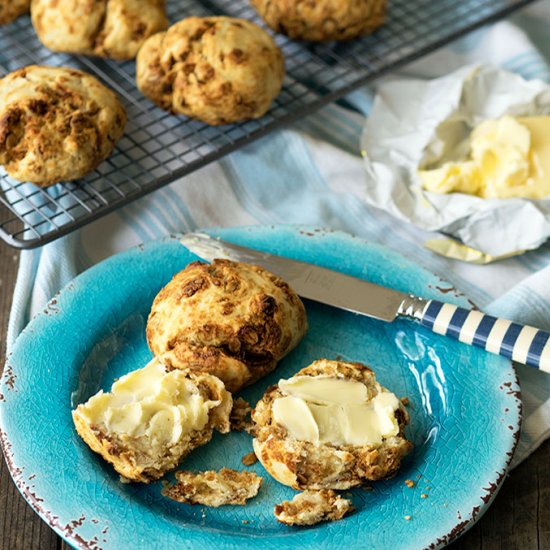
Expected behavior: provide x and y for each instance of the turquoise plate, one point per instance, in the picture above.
(464, 406)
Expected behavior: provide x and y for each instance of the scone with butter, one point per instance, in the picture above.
(152, 418)
(216, 69)
(322, 20)
(230, 319)
(56, 124)
(10, 10)
(106, 28)
(331, 426)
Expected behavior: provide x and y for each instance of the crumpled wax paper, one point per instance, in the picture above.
(419, 122)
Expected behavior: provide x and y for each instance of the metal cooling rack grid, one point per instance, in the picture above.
(158, 148)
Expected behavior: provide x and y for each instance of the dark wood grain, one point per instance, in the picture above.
(519, 518)
(20, 527)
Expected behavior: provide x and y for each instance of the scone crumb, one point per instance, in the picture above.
(249, 459)
(408, 518)
(213, 488)
(245, 522)
(124, 480)
(311, 507)
(240, 416)
(409, 483)
(405, 401)
(423, 495)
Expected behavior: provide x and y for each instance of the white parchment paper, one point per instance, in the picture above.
(419, 122)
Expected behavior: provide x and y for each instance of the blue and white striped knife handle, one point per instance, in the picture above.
(521, 343)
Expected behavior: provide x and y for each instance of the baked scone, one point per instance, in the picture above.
(56, 124)
(322, 20)
(331, 426)
(214, 488)
(106, 28)
(216, 69)
(311, 507)
(152, 418)
(229, 319)
(12, 9)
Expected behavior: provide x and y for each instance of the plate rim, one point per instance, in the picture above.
(68, 532)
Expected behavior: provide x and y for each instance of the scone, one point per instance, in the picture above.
(12, 9)
(322, 20)
(312, 507)
(152, 418)
(106, 28)
(214, 488)
(331, 426)
(216, 69)
(56, 124)
(229, 319)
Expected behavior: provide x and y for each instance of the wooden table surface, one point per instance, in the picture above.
(519, 518)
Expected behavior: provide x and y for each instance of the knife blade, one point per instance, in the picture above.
(307, 280)
(521, 343)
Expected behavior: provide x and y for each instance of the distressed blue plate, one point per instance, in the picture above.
(464, 406)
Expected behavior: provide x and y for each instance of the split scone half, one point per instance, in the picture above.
(152, 418)
(230, 319)
(331, 426)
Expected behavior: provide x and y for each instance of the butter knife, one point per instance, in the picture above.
(521, 343)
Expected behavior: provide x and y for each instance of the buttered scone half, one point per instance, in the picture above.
(322, 20)
(12, 9)
(229, 319)
(56, 124)
(216, 69)
(152, 418)
(331, 426)
(106, 28)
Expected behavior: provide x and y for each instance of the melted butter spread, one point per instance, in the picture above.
(333, 410)
(150, 402)
(509, 157)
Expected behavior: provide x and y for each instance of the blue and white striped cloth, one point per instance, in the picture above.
(313, 174)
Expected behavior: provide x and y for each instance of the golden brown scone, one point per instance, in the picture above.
(12, 9)
(214, 488)
(322, 20)
(304, 464)
(56, 124)
(216, 69)
(152, 418)
(107, 28)
(311, 507)
(230, 319)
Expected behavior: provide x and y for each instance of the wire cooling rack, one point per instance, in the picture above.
(158, 148)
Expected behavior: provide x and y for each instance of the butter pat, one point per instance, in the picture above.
(152, 403)
(508, 157)
(325, 390)
(335, 411)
